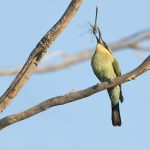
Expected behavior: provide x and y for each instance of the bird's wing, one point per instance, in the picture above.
(107, 47)
(117, 70)
(116, 67)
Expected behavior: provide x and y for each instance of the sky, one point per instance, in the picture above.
(84, 124)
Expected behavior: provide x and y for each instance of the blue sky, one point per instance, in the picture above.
(85, 124)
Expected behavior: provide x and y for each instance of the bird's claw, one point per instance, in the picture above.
(131, 78)
(110, 81)
(96, 86)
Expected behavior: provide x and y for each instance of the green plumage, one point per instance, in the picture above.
(106, 68)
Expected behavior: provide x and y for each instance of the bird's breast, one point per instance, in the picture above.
(102, 64)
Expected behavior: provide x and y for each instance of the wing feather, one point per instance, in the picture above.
(118, 73)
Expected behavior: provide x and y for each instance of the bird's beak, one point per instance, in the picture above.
(99, 39)
(96, 38)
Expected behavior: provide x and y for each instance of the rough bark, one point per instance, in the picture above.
(73, 96)
(36, 55)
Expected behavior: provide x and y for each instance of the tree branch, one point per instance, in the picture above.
(131, 41)
(36, 55)
(73, 96)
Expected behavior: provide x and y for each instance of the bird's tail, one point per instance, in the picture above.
(116, 118)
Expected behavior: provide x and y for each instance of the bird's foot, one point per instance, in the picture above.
(96, 86)
(110, 81)
(131, 78)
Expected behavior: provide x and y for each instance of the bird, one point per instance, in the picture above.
(106, 67)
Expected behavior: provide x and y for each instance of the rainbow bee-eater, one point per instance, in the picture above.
(106, 68)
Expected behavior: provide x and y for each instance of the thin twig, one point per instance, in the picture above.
(73, 96)
(36, 55)
(73, 59)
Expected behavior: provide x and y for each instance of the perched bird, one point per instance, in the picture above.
(106, 68)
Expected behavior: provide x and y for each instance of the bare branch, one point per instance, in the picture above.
(139, 47)
(36, 55)
(73, 59)
(73, 96)
(135, 38)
